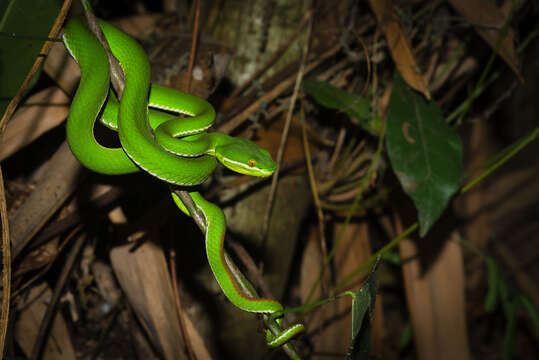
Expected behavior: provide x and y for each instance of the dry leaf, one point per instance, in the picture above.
(143, 275)
(489, 22)
(139, 27)
(40, 113)
(326, 335)
(60, 178)
(62, 68)
(58, 344)
(436, 300)
(399, 45)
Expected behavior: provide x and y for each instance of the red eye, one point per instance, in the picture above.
(251, 163)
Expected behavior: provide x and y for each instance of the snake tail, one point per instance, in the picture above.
(215, 234)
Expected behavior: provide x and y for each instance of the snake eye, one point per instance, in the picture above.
(251, 163)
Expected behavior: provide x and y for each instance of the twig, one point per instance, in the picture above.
(47, 318)
(344, 196)
(351, 211)
(44, 50)
(346, 168)
(40, 206)
(512, 150)
(284, 136)
(248, 289)
(194, 43)
(314, 191)
(199, 219)
(482, 79)
(116, 72)
(6, 266)
(186, 339)
(363, 268)
(6, 244)
(491, 109)
(182, 194)
(283, 86)
(251, 267)
(39, 275)
(337, 150)
(524, 281)
(98, 207)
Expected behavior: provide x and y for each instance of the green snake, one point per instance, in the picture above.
(155, 139)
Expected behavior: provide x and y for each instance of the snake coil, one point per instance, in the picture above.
(179, 151)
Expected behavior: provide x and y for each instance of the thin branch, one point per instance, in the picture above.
(116, 72)
(49, 314)
(351, 211)
(186, 339)
(248, 289)
(43, 271)
(337, 150)
(284, 137)
(314, 190)
(194, 44)
(6, 266)
(276, 91)
(251, 267)
(6, 244)
(98, 206)
(182, 194)
(44, 51)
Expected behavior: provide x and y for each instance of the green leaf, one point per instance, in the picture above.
(493, 271)
(357, 107)
(533, 313)
(24, 26)
(363, 301)
(510, 331)
(425, 153)
(504, 293)
(406, 337)
(392, 257)
(509, 312)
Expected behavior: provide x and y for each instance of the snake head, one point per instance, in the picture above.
(245, 157)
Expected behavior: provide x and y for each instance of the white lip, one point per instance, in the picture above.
(250, 170)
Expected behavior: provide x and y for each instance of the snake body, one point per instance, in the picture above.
(176, 150)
